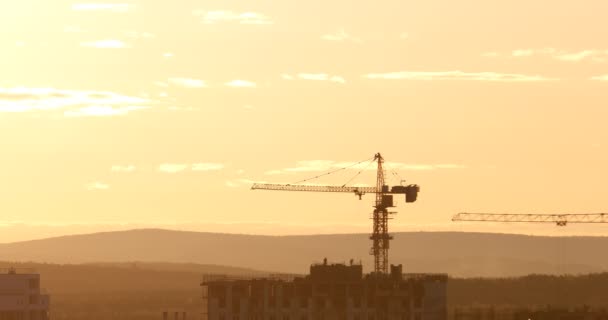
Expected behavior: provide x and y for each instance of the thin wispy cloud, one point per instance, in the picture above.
(97, 186)
(106, 44)
(314, 77)
(306, 166)
(161, 84)
(187, 82)
(182, 109)
(207, 166)
(140, 35)
(72, 102)
(341, 36)
(232, 184)
(457, 75)
(181, 167)
(320, 77)
(449, 166)
(173, 167)
(110, 7)
(74, 29)
(593, 55)
(522, 53)
(240, 183)
(600, 78)
(102, 111)
(223, 16)
(326, 165)
(491, 54)
(123, 168)
(241, 84)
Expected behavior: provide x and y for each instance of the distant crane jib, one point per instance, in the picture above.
(559, 219)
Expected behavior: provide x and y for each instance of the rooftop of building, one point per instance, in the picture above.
(20, 271)
(331, 272)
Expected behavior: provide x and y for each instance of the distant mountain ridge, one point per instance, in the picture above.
(457, 253)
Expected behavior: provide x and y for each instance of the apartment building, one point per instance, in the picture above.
(21, 297)
(330, 291)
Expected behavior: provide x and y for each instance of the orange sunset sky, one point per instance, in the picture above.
(120, 115)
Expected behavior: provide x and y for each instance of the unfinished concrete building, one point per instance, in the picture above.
(21, 297)
(330, 291)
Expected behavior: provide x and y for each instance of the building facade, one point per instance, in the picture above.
(21, 297)
(330, 291)
(521, 313)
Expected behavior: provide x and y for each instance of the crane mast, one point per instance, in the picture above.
(384, 200)
(380, 236)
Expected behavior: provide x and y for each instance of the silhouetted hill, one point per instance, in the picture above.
(66, 279)
(121, 291)
(178, 267)
(459, 254)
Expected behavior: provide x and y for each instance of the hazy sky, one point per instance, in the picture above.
(161, 113)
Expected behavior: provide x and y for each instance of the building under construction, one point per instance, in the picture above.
(336, 291)
(330, 291)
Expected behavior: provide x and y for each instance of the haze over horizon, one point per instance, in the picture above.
(456, 253)
(139, 114)
(19, 232)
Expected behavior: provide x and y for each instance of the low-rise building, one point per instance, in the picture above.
(21, 297)
(330, 291)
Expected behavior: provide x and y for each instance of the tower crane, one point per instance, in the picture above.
(384, 200)
(559, 219)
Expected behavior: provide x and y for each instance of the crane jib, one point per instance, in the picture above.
(410, 191)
